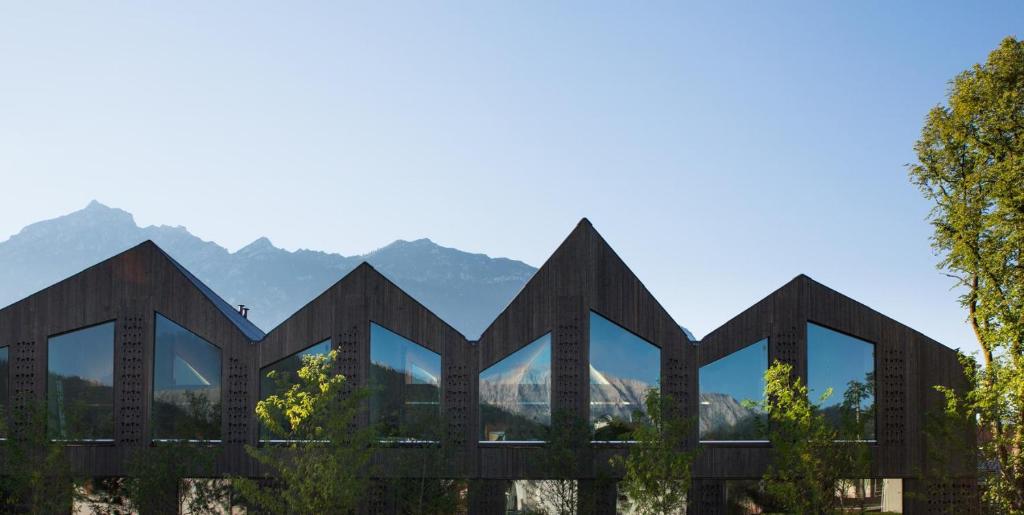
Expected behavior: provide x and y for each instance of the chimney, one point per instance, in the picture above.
(244, 311)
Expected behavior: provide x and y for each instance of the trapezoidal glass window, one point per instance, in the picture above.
(847, 366)
(80, 384)
(515, 395)
(623, 368)
(405, 387)
(5, 398)
(186, 385)
(731, 389)
(285, 373)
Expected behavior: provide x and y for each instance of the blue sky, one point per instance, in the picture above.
(722, 148)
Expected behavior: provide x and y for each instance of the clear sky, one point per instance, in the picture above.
(722, 148)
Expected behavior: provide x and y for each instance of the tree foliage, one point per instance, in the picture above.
(323, 466)
(658, 467)
(36, 477)
(813, 463)
(565, 453)
(970, 165)
(157, 475)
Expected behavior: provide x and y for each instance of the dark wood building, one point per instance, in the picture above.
(584, 337)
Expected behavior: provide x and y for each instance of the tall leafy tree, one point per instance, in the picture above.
(323, 467)
(813, 463)
(658, 468)
(970, 165)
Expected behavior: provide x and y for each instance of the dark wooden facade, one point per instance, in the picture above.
(584, 274)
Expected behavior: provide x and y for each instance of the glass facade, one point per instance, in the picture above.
(4, 392)
(405, 387)
(80, 384)
(515, 395)
(286, 373)
(847, 366)
(729, 388)
(623, 367)
(186, 385)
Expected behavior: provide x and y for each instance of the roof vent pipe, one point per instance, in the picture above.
(244, 311)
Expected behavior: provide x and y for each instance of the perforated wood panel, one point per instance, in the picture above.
(786, 343)
(710, 498)
(893, 387)
(951, 497)
(458, 400)
(348, 345)
(376, 502)
(569, 358)
(487, 496)
(23, 380)
(238, 411)
(131, 401)
(677, 381)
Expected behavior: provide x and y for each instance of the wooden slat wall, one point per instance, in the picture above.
(128, 289)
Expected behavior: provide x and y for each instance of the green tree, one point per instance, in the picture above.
(658, 468)
(36, 477)
(323, 467)
(426, 483)
(813, 464)
(561, 461)
(970, 165)
(156, 481)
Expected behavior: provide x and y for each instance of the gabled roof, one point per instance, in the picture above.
(243, 324)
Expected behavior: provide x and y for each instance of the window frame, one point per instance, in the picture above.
(114, 368)
(736, 443)
(152, 382)
(479, 404)
(590, 360)
(874, 370)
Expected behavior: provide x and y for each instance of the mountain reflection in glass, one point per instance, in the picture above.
(4, 394)
(186, 385)
(515, 395)
(286, 373)
(80, 384)
(729, 388)
(847, 366)
(405, 387)
(623, 367)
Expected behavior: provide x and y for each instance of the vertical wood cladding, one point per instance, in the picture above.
(131, 385)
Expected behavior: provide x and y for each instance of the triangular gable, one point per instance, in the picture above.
(249, 329)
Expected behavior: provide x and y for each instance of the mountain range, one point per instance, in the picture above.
(466, 290)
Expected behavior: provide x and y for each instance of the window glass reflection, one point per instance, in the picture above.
(186, 385)
(405, 387)
(4, 393)
(286, 373)
(729, 389)
(623, 367)
(80, 384)
(847, 366)
(515, 394)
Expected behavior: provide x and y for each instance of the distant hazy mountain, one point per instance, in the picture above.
(466, 290)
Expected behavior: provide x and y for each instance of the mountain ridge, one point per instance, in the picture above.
(466, 290)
